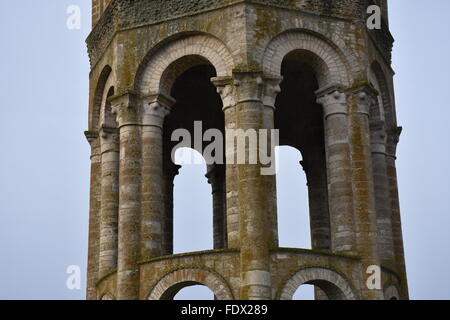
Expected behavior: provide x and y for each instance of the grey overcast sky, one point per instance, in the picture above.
(44, 164)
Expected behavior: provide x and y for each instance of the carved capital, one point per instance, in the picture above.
(333, 99)
(393, 138)
(94, 141)
(91, 136)
(249, 86)
(225, 88)
(124, 106)
(378, 137)
(155, 109)
(365, 97)
(107, 131)
(215, 176)
(271, 90)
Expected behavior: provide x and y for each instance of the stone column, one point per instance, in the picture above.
(169, 175)
(225, 88)
(315, 168)
(94, 215)
(381, 186)
(216, 177)
(253, 188)
(109, 200)
(399, 255)
(271, 90)
(154, 111)
(361, 99)
(339, 168)
(126, 108)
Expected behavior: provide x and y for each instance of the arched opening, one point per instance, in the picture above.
(190, 284)
(292, 198)
(198, 108)
(384, 109)
(300, 121)
(192, 203)
(377, 110)
(110, 119)
(317, 283)
(318, 290)
(102, 84)
(304, 292)
(195, 292)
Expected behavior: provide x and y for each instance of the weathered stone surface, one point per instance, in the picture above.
(261, 56)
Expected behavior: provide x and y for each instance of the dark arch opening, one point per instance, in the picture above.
(110, 117)
(300, 121)
(98, 98)
(197, 102)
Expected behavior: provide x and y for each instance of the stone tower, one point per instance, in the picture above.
(311, 69)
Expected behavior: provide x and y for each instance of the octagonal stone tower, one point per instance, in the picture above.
(311, 69)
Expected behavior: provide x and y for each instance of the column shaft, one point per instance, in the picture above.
(382, 201)
(109, 202)
(152, 218)
(216, 177)
(254, 194)
(399, 255)
(339, 169)
(94, 216)
(315, 169)
(125, 106)
(226, 90)
(364, 199)
(129, 213)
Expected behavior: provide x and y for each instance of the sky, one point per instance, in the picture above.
(44, 164)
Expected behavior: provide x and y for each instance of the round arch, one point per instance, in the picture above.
(101, 87)
(376, 71)
(173, 282)
(329, 63)
(108, 296)
(107, 118)
(391, 293)
(332, 283)
(162, 67)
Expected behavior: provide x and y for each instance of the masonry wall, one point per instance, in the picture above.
(132, 33)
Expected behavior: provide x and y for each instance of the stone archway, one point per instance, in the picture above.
(330, 65)
(391, 293)
(165, 65)
(108, 296)
(172, 283)
(335, 286)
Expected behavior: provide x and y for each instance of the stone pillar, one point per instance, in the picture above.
(271, 90)
(399, 255)
(169, 175)
(225, 88)
(315, 168)
(361, 99)
(154, 111)
(94, 215)
(109, 200)
(249, 93)
(126, 108)
(381, 186)
(216, 177)
(339, 168)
